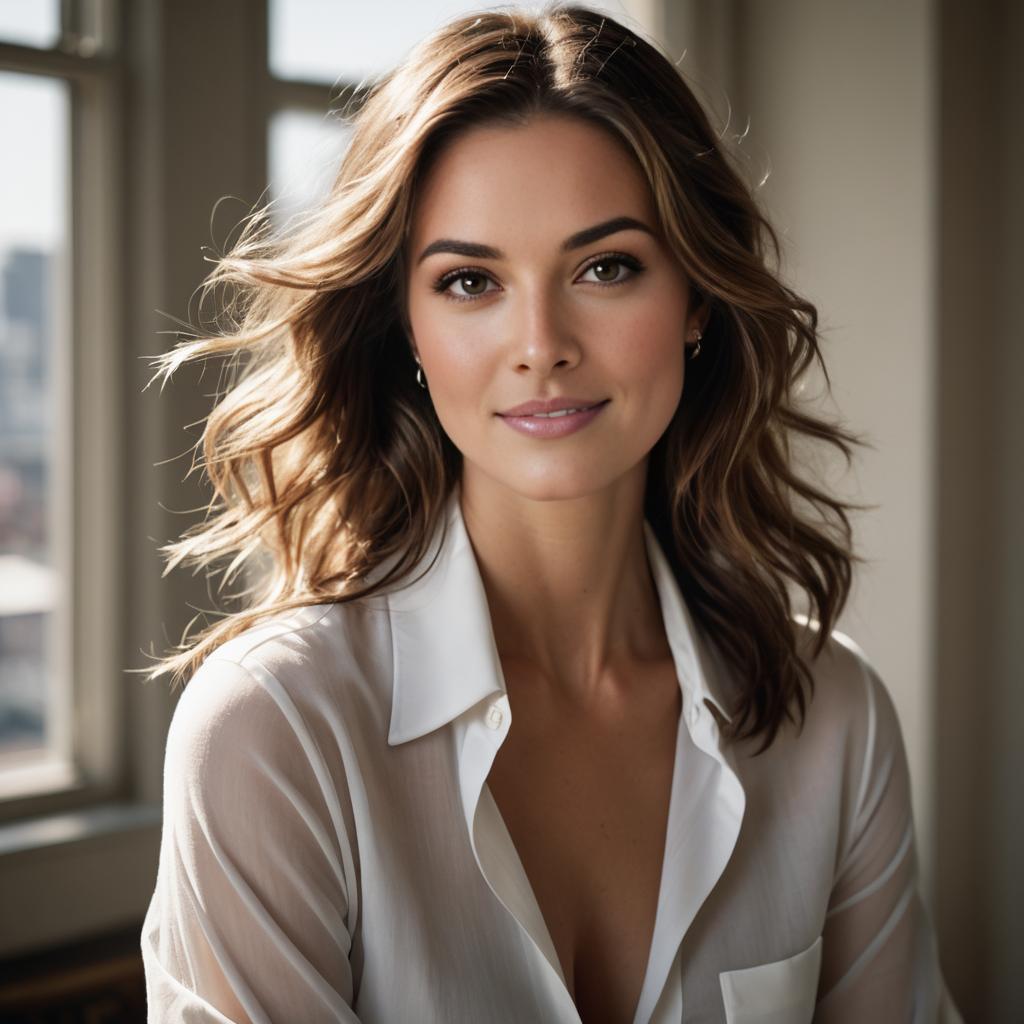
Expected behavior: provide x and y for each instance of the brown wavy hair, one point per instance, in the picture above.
(327, 460)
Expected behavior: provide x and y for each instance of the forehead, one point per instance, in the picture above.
(551, 174)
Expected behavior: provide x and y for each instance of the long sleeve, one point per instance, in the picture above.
(879, 954)
(250, 919)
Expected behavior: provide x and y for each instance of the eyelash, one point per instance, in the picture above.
(442, 284)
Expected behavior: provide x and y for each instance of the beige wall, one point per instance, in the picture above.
(839, 101)
(833, 102)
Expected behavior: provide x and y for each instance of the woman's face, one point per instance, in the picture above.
(532, 312)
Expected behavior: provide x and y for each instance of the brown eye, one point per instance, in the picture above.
(605, 267)
(470, 289)
(472, 285)
(614, 269)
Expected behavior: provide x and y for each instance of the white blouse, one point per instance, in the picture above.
(331, 850)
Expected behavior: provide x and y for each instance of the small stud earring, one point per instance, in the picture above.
(419, 375)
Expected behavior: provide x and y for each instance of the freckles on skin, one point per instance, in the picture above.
(539, 321)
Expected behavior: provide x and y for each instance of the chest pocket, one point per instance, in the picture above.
(781, 992)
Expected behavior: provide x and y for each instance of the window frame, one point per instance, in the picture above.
(88, 465)
(137, 231)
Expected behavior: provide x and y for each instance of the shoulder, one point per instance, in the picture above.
(316, 642)
(850, 694)
(284, 675)
(255, 733)
(284, 644)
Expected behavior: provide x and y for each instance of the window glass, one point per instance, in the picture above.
(339, 41)
(33, 414)
(30, 22)
(305, 150)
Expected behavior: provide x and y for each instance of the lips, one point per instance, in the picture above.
(545, 408)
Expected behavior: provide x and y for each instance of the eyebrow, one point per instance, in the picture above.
(477, 250)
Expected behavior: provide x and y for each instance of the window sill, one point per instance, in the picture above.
(65, 877)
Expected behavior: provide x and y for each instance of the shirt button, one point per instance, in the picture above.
(495, 716)
(693, 714)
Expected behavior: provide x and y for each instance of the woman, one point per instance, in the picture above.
(507, 735)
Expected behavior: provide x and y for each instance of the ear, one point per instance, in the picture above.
(700, 312)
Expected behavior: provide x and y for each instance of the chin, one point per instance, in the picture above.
(543, 478)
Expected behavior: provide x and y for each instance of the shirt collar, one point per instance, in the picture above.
(445, 656)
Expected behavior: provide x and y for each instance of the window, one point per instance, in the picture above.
(321, 49)
(304, 150)
(34, 692)
(54, 71)
(30, 24)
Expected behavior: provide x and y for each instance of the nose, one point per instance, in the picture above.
(545, 338)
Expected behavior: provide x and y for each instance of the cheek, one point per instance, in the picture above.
(459, 373)
(650, 358)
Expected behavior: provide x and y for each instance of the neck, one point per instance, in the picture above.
(572, 600)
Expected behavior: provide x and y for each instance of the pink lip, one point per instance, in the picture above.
(559, 426)
(550, 405)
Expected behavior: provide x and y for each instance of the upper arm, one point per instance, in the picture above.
(250, 919)
(879, 956)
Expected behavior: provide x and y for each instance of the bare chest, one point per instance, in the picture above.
(585, 799)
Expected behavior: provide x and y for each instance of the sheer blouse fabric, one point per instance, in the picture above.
(331, 851)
